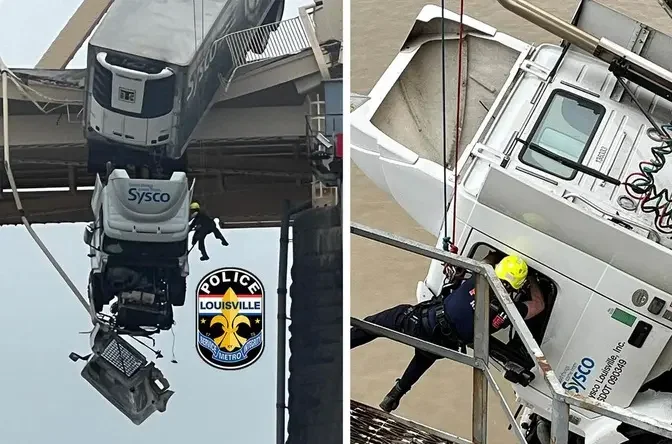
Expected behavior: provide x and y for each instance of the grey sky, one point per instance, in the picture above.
(21, 46)
(43, 399)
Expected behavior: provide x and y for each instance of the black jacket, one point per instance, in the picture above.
(202, 222)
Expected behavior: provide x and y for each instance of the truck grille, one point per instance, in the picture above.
(102, 85)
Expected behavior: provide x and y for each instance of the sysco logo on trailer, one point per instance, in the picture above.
(147, 193)
(196, 76)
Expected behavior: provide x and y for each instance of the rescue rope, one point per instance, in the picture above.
(457, 114)
(443, 122)
(448, 242)
(19, 206)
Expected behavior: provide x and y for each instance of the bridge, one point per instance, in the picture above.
(249, 153)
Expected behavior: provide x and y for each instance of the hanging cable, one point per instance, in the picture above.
(19, 206)
(448, 242)
(642, 185)
(193, 2)
(458, 107)
(443, 121)
(174, 360)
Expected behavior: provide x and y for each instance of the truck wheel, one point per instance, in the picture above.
(316, 343)
(177, 291)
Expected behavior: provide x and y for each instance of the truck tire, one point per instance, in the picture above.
(316, 343)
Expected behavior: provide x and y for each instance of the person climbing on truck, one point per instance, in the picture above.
(203, 224)
(448, 319)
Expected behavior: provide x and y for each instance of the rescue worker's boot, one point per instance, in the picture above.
(391, 400)
(218, 235)
(204, 255)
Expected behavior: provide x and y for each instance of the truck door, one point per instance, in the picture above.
(598, 347)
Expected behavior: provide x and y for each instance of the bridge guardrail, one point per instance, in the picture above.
(286, 37)
(283, 38)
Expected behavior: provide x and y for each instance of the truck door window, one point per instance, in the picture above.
(549, 289)
(566, 127)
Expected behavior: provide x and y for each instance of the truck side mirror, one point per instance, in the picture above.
(88, 234)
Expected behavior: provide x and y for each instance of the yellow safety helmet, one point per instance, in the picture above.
(194, 206)
(513, 270)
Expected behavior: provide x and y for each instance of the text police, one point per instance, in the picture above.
(230, 276)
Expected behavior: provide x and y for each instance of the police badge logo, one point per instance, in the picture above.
(230, 318)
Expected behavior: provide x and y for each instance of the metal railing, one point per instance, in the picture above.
(486, 280)
(321, 130)
(329, 125)
(284, 38)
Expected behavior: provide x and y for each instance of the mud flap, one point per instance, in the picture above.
(122, 375)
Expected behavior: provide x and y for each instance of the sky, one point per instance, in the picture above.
(22, 46)
(43, 398)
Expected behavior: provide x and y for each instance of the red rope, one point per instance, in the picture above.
(457, 116)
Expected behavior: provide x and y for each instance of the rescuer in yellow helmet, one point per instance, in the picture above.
(448, 319)
(512, 271)
(202, 224)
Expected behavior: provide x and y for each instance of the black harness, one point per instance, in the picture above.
(447, 328)
(445, 334)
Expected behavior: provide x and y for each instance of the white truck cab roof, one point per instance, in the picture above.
(143, 210)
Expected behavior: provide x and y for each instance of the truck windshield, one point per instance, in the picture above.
(567, 126)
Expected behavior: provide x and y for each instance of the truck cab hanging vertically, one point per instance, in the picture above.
(138, 249)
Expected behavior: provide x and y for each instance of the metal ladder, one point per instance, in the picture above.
(316, 123)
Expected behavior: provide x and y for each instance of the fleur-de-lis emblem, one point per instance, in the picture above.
(230, 320)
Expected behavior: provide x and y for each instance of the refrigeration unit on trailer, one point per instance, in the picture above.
(153, 70)
(560, 162)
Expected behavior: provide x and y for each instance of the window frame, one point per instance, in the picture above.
(528, 140)
(551, 301)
